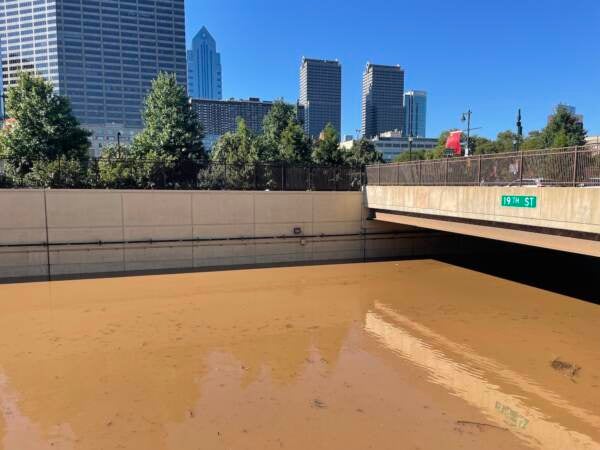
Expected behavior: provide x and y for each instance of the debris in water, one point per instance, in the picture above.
(566, 368)
(479, 425)
(318, 404)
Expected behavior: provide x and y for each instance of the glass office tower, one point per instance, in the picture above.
(102, 54)
(205, 74)
(321, 95)
(415, 108)
(382, 97)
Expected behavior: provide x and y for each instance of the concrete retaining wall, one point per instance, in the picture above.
(574, 209)
(79, 216)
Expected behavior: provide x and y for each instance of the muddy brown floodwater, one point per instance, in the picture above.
(394, 355)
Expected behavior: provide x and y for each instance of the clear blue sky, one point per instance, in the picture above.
(490, 56)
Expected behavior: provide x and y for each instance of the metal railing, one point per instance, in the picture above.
(100, 173)
(572, 166)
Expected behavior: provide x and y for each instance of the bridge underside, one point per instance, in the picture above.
(561, 240)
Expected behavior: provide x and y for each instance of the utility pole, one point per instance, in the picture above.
(466, 117)
(519, 130)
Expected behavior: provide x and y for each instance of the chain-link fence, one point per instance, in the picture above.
(572, 166)
(100, 173)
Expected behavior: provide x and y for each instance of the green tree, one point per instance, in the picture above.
(415, 155)
(363, 153)
(294, 145)
(169, 150)
(327, 149)
(506, 141)
(116, 167)
(278, 119)
(533, 141)
(236, 148)
(283, 138)
(564, 130)
(42, 134)
(234, 159)
(483, 146)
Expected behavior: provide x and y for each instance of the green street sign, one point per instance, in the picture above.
(519, 201)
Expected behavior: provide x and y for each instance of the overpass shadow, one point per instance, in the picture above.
(564, 273)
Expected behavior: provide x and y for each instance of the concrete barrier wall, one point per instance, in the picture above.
(69, 217)
(574, 209)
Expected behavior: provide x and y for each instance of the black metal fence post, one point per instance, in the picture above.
(521, 169)
(59, 181)
(575, 166)
(446, 176)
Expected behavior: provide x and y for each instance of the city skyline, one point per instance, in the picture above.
(92, 108)
(461, 62)
(102, 59)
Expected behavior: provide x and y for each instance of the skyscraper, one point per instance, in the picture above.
(204, 68)
(321, 94)
(382, 97)
(415, 110)
(102, 55)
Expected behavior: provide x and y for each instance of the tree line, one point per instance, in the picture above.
(43, 144)
(564, 129)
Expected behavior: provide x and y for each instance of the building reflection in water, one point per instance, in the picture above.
(468, 380)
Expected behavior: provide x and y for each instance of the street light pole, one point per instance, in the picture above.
(119, 153)
(467, 117)
(3, 118)
(410, 142)
(519, 130)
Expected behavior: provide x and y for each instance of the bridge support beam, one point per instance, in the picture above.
(521, 235)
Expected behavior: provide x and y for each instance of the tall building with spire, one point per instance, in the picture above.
(205, 76)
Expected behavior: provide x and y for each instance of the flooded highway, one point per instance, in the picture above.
(408, 354)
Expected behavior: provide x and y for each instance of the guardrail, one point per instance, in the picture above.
(100, 173)
(572, 166)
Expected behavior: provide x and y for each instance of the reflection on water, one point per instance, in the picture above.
(470, 383)
(349, 357)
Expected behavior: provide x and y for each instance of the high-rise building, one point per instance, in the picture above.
(205, 78)
(415, 113)
(321, 95)
(218, 117)
(102, 55)
(382, 99)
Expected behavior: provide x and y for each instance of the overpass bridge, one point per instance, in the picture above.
(547, 198)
